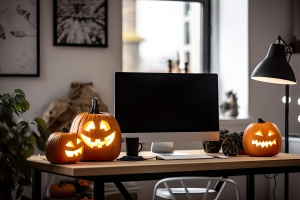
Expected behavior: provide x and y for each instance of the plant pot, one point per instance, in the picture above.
(212, 146)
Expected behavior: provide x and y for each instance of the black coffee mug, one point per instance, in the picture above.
(133, 146)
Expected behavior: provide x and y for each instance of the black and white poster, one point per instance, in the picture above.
(80, 23)
(19, 38)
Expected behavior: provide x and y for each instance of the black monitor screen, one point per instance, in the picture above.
(166, 102)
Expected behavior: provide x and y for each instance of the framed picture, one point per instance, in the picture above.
(80, 23)
(19, 38)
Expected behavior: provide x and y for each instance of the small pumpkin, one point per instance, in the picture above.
(62, 190)
(262, 139)
(100, 133)
(64, 147)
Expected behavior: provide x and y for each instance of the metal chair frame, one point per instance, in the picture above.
(170, 193)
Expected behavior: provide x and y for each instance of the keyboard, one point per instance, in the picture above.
(183, 157)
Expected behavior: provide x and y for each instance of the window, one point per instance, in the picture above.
(182, 34)
(158, 34)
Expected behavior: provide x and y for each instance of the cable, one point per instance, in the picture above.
(42, 157)
(275, 182)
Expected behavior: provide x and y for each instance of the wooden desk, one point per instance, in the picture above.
(122, 171)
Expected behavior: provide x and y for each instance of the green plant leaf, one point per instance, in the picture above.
(31, 139)
(25, 106)
(28, 150)
(40, 143)
(19, 98)
(19, 91)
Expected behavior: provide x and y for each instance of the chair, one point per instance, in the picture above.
(169, 192)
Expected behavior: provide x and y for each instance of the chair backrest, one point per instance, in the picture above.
(164, 189)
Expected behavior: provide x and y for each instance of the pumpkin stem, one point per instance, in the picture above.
(94, 108)
(64, 130)
(260, 121)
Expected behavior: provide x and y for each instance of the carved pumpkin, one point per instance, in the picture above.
(64, 147)
(262, 139)
(100, 133)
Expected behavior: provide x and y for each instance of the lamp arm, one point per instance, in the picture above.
(288, 49)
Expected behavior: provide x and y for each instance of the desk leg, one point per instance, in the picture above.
(123, 190)
(98, 189)
(250, 187)
(36, 184)
(286, 186)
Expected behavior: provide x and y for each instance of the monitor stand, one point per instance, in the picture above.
(162, 147)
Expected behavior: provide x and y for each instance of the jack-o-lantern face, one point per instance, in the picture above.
(64, 147)
(74, 148)
(262, 139)
(100, 133)
(101, 130)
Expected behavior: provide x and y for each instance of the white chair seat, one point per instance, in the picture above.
(164, 193)
(163, 189)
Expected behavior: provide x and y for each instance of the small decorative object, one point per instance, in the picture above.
(262, 139)
(64, 147)
(62, 111)
(240, 139)
(230, 106)
(230, 145)
(214, 146)
(100, 133)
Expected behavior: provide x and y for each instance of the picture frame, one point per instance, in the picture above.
(80, 23)
(19, 38)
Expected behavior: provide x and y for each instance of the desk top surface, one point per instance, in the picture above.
(152, 165)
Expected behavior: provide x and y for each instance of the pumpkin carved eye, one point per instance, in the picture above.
(88, 126)
(259, 133)
(104, 125)
(70, 144)
(271, 133)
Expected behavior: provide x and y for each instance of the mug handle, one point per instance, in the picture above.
(141, 147)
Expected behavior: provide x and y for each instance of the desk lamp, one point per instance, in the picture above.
(275, 68)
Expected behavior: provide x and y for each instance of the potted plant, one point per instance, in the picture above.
(230, 106)
(18, 141)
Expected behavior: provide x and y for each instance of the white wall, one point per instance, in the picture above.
(268, 19)
(60, 66)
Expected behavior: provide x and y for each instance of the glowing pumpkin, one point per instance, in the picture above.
(64, 147)
(100, 133)
(262, 139)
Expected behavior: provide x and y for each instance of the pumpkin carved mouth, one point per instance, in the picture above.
(263, 143)
(98, 143)
(74, 153)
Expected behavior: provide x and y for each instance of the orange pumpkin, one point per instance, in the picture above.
(100, 133)
(64, 190)
(64, 147)
(262, 139)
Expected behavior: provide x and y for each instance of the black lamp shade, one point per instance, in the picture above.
(275, 68)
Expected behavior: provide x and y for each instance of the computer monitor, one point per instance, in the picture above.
(167, 107)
